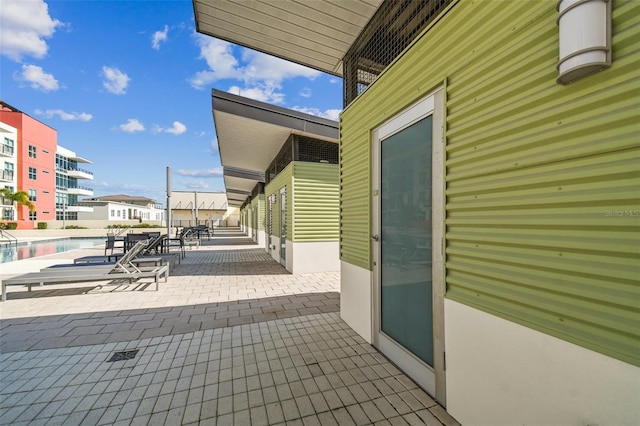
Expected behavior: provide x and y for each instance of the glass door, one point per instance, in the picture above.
(408, 280)
(283, 226)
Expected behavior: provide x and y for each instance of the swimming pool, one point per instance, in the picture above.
(27, 250)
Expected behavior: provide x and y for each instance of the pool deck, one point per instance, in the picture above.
(231, 339)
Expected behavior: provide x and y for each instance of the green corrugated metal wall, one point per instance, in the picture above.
(283, 179)
(542, 180)
(315, 201)
(262, 212)
(255, 214)
(313, 192)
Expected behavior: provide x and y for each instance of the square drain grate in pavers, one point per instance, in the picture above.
(123, 355)
(315, 369)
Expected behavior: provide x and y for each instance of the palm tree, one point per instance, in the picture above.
(18, 197)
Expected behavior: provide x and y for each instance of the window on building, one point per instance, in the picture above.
(113, 213)
(7, 173)
(33, 215)
(8, 146)
(7, 213)
(32, 151)
(33, 195)
(32, 173)
(118, 213)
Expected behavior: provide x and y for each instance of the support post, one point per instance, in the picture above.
(168, 202)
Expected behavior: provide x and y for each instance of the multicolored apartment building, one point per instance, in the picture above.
(32, 161)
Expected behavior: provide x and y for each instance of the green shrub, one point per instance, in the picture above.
(118, 226)
(42, 225)
(75, 227)
(12, 225)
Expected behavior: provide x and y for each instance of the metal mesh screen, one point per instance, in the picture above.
(315, 151)
(391, 29)
(284, 157)
(302, 148)
(258, 189)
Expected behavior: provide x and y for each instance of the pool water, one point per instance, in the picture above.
(45, 247)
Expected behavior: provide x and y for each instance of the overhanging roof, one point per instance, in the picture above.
(250, 135)
(312, 33)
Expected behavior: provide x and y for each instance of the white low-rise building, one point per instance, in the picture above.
(124, 209)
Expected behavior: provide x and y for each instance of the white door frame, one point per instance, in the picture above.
(283, 226)
(430, 379)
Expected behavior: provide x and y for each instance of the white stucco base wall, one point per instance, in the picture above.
(275, 248)
(355, 299)
(309, 257)
(262, 239)
(501, 373)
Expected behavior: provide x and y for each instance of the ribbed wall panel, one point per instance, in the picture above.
(282, 180)
(315, 201)
(542, 180)
(262, 212)
(355, 212)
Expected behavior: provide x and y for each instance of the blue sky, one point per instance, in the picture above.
(127, 85)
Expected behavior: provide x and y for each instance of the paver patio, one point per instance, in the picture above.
(231, 338)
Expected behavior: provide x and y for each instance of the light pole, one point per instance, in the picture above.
(64, 212)
(168, 202)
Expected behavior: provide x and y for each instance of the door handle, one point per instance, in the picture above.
(375, 238)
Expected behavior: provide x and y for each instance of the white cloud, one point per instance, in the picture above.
(305, 93)
(23, 27)
(213, 149)
(65, 116)
(38, 79)
(219, 57)
(115, 81)
(131, 126)
(334, 80)
(177, 129)
(261, 74)
(263, 94)
(196, 184)
(272, 70)
(331, 114)
(215, 172)
(158, 37)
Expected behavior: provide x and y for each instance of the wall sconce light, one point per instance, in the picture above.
(585, 38)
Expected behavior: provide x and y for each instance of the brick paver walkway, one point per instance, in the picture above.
(231, 338)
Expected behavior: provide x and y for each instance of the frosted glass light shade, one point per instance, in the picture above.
(585, 38)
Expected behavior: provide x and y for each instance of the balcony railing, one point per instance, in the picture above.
(80, 170)
(72, 169)
(7, 150)
(79, 190)
(6, 175)
(84, 188)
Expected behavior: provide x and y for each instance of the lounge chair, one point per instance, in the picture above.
(131, 239)
(185, 238)
(156, 251)
(123, 270)
(112, 243)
